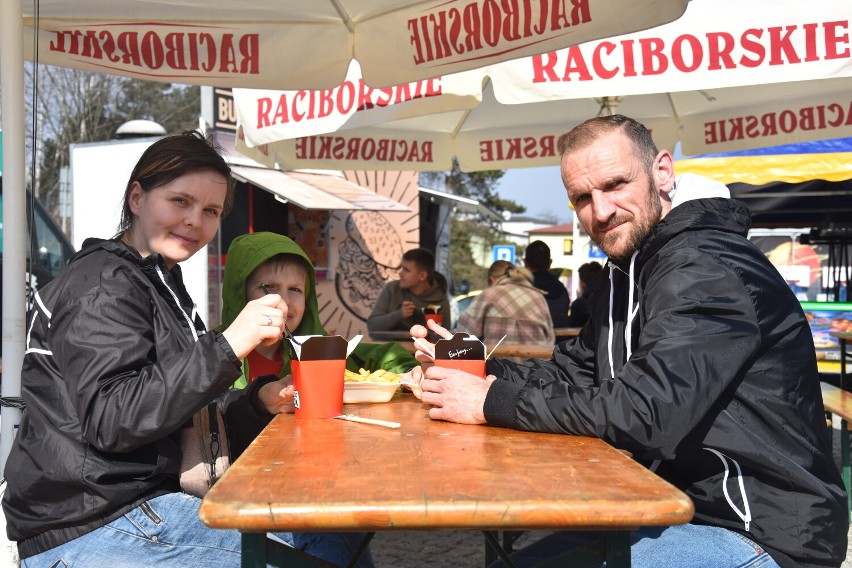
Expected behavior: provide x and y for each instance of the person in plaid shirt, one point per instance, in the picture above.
(510, 306)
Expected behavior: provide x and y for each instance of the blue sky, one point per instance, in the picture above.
(540, 190)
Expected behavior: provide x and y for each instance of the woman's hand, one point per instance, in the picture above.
(261, 321)
(277, 396)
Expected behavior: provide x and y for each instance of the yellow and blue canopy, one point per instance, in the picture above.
(829, 160)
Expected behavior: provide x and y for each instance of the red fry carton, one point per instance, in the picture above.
(318, 371)
(463, 352)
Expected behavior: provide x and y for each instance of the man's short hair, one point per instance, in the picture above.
(537, 255)
(584, 134)
(423, 258)
(589, 272)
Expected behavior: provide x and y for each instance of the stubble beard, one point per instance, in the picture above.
(621, 248)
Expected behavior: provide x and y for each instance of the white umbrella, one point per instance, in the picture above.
(309, 44)
(264, 43)
(727, 75)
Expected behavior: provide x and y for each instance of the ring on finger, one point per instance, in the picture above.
(268, 320)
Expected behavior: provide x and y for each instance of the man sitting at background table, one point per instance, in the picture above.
(537, 260)
(401, 302)
(699, 361)
(589, 274)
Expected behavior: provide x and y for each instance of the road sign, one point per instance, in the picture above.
(503, 252)
(595, 251)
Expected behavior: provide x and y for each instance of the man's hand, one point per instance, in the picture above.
(408, 309)
(412, 379)
(455, 395)
(425, 350)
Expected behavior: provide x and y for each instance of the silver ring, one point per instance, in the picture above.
(268, 320)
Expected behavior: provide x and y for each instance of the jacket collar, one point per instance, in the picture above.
(716, 213)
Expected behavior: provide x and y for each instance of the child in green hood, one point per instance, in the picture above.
(262, 263)
(268, 263)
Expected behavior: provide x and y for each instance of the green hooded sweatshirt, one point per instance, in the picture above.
(246, 253)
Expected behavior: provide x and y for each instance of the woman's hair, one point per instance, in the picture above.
(503, 268)
(170, 158)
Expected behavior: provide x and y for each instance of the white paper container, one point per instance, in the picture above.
(355, 392)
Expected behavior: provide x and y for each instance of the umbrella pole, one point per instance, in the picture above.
(14, 218)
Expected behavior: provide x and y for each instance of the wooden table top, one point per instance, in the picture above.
(836, 401)
(327, 474)
(564, 332)
(847, 335)
(524, 350)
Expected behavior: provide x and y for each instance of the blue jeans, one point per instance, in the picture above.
(166, 532)
(679, 546)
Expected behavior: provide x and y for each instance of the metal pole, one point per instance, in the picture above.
(14, 216)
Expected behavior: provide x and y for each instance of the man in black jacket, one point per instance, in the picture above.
(589, 274)
(537, 260)
(699, 362)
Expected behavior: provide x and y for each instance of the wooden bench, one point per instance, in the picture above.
(839, 402)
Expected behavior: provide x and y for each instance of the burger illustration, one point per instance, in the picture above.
(369, 257)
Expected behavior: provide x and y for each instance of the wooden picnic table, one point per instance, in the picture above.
(524, 350)
(563, 333)
(843, 337)
(838, 401)
(334, 475)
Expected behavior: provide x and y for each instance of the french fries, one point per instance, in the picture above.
(365, 376)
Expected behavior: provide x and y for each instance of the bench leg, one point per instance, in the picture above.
(253, 550)
(618, 549)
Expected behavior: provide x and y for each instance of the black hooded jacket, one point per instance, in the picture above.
(712, 381)
(558, 300)
(116, 363)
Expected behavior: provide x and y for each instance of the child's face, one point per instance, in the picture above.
(287, 281)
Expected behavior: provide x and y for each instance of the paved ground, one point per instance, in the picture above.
(434, 549)
(467, 549)
(448, 550)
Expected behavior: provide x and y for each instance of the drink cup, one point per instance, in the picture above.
(437, 318)
(319, 387)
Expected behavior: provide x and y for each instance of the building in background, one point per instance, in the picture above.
(516, 228)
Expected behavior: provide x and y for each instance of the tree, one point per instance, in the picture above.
(68, 106)
(470, 236)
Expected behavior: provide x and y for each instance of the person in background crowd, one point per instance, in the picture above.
(589, 274)
(698, 360)
(510, 306)
(401, 302)
(537, 260)
(117, 364)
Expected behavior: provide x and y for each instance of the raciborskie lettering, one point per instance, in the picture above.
(363, 148)
(459, 29)
(350, 96)
(803, 119)
(687, 53)
(152, 50)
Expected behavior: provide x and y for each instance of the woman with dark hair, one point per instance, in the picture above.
(117, 363)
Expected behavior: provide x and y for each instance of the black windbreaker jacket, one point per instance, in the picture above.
(718, 382)
(111, 373)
